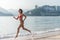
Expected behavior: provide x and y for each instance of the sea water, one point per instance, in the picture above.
(8, 25)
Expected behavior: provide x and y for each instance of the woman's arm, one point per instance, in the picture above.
(15, 18)
(24, 16)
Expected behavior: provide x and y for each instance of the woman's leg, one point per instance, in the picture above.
(25, 29)
(18, 31)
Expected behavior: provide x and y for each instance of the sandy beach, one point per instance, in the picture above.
(51, 35)
(57, 37)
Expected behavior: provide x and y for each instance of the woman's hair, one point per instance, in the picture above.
(21, 10)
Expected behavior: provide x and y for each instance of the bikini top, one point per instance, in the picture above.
(20, 16)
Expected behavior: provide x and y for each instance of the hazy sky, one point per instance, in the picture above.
(26, 4)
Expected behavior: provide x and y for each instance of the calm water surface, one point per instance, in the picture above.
(9, 25)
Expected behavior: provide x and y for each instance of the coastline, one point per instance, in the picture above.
(50, 35)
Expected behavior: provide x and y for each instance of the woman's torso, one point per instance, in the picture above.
(21, 17)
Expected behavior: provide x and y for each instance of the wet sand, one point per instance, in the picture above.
(52, 35)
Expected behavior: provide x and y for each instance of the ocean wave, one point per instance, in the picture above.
(33, 33)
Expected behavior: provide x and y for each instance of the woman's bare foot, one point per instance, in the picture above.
(16, 36)
(29, 31)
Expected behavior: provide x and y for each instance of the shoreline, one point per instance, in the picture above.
(51, 35)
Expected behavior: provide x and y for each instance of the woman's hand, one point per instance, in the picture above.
(14, 17)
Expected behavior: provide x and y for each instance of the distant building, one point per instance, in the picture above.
(29, 12)
(36, 6)
(45, 10)
(58, 8)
